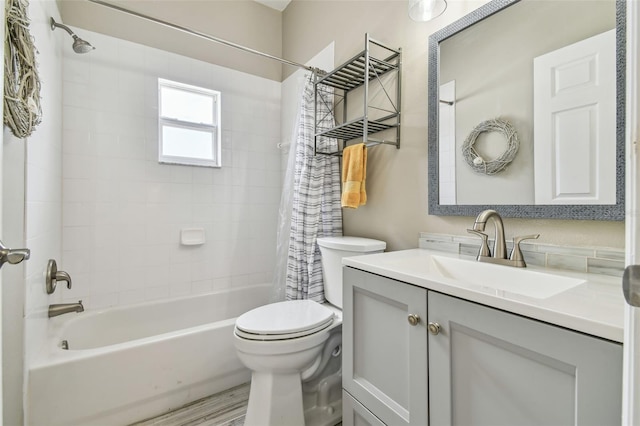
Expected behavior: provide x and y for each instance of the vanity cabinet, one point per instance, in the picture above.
(483, 366)
(490, 367)
(384, 357)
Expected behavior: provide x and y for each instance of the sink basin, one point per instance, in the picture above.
(499, 278)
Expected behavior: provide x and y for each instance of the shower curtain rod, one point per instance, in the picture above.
(206, 36)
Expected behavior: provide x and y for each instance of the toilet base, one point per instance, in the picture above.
(275, 400)
(323, 406)
(329, 415)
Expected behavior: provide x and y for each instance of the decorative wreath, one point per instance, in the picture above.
(22, 111)
(491, 167)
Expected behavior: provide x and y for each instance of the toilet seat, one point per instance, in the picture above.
(284, 320)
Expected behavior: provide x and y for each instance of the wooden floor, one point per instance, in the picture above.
(227, 408)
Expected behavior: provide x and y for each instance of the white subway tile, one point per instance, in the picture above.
(156, 277)
(222, 283)
(104, 301)
(201, 287)
(76, 94)
(178, 272)
(78, 142)
(106, 144)
(118, 199)
(179, 289)
(130, 297)
(78, 214)
(132, 278)
(106, 191)
(78, 166)
(105, 284)
(78, 191)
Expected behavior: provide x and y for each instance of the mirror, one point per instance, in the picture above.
(502, 62)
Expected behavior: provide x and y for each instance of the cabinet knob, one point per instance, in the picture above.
(434, 328)
(413, 319)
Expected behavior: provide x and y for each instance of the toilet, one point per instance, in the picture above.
(293, 348)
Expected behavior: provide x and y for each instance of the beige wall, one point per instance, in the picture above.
(397, 180)
(243, 22)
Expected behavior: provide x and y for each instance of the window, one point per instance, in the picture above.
(189, 124)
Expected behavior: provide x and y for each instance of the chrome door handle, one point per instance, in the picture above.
(53, 276)
(434, 328)
(13, 256)
(631, 285)
(413, 319)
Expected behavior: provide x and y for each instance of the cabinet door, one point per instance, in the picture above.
(385, 357)
(489, 367)
(355, 414)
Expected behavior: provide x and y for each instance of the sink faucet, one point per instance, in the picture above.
(499, 244)
(65, 308)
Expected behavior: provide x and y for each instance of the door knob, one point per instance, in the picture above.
(13, 256)
(53, 276)
(631, 285)
(434, 328)
(413, 319)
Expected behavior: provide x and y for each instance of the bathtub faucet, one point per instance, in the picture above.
(65, 308)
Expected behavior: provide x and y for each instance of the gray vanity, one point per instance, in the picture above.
(425, 344)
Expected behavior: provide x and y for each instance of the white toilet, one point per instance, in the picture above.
(293, 348)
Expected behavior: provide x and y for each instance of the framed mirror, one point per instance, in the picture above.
(535, 66)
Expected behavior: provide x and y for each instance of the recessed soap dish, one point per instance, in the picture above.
(192, 236)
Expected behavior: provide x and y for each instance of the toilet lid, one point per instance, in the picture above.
(293, 318)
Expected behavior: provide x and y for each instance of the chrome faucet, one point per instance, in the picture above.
(65, 308)
(499, 244)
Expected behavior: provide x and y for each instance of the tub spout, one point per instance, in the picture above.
(65, 308)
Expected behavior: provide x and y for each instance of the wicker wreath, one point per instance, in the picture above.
(22, 110)
(491, 167)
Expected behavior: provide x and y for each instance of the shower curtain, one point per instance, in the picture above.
(310, 205)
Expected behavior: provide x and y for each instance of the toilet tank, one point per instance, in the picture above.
(333, 249)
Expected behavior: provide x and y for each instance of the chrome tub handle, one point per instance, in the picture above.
(53, 276)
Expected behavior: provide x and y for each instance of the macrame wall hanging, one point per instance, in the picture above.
(22, 111)
(496, 165)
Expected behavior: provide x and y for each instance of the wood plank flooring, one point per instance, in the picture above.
(226, 408)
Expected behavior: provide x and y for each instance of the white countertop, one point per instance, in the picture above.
(594, 307)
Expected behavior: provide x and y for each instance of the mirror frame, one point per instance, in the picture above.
(548, 211)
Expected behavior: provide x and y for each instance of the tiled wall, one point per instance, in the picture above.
(43, 189)
(33, 188)
(123, 212)
(594, 260)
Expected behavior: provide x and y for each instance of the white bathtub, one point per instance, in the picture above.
(127, 364)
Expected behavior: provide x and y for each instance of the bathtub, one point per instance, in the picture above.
(127, 364)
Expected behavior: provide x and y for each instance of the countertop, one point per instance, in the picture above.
(594, 307)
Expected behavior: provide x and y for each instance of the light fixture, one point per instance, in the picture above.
(426, 10)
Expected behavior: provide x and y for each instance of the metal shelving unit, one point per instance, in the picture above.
(359, 74)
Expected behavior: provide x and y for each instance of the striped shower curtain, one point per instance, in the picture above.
(316, 210)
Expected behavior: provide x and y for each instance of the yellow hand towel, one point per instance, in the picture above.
(354, 174)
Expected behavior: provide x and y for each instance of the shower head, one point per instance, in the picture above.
(79, 45)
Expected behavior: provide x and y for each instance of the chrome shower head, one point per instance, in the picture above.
(79, 45)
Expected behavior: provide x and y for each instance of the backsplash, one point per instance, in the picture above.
(594, 260)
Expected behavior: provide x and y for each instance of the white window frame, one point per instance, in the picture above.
(213, 129)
